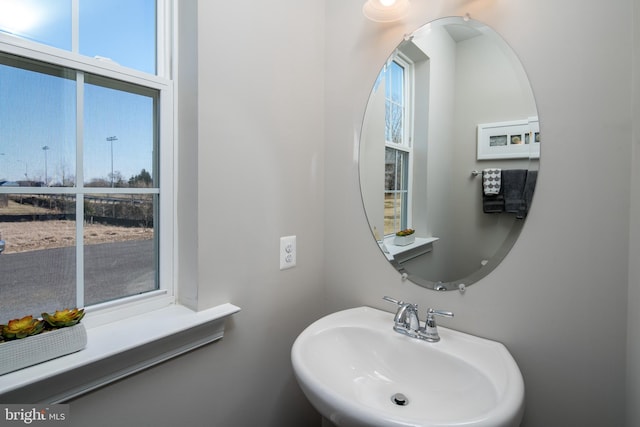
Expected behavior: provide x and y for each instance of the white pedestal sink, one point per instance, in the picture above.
(358, 372)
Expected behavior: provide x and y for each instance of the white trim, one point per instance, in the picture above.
(79, 251)
(166, 217)
(80, 294)
(17, 46)
(75, 26)
(164, 17)
(126, 307)
(409, 118)
(77, 190)
(421, 245)
(79, 128)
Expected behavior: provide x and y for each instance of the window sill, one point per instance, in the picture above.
(116, 350)
(400, 254)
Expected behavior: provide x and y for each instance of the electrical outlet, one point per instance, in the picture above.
(287, 252)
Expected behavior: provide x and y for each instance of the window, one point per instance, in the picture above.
(85, 155)
(398, 151)
(396, 193)
(92, 28)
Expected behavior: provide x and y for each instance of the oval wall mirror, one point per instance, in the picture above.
(449, 153)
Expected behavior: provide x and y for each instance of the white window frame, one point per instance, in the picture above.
(407, 135)
(166, 293)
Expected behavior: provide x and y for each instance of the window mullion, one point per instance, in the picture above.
(80, 250)
(164, 25)
(75, 26)
(79, 188)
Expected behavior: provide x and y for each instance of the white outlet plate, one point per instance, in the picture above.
(287, 252)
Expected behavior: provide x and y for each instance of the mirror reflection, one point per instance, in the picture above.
(449, 153)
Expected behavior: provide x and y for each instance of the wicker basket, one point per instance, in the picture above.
(39, 348)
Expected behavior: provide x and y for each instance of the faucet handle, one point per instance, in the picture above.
(393, 300)
(431, 312)
(401, 304)
(430, 331)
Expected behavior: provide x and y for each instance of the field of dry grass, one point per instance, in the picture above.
(35, 235)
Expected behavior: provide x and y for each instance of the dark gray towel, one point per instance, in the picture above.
(513, 181)
(493, 204)
(529, 188)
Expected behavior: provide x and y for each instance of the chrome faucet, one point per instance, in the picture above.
(406, 321)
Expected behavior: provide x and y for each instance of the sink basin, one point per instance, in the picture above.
(356, 371)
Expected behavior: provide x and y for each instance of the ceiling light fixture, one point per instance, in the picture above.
(385, 10)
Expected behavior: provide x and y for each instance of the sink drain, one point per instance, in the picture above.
(400, 399)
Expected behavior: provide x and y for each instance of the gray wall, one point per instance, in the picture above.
(255, 153)
(633, 319)
(559, 299)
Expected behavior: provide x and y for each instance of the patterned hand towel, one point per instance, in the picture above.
(491, 181)
(492, 199)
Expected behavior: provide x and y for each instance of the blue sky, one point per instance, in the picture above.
(38, 109)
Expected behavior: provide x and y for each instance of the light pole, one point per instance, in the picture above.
(111, 139)
(46, 180)
(26, 168)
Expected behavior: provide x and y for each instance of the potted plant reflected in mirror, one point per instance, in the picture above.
(404, 237)
(28, 341)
